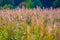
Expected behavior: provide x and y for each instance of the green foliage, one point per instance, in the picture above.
(33, 3)
(38, 3)
(46, 20)
(6, 6)
(3, 34)
(29, 3)
(3, 2)
(57, 20)
(56, 3)
(18, 35)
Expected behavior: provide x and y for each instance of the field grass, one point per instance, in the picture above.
(30, 24)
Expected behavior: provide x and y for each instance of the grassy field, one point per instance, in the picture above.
(30, 24)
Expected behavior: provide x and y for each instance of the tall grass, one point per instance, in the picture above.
(30, 24)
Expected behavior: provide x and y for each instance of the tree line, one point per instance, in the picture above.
(29, 3)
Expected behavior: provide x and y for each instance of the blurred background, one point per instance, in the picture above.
(12, 4)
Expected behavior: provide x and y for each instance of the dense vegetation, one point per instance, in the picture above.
(30, 3)
(29, 19)
(30, 24)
